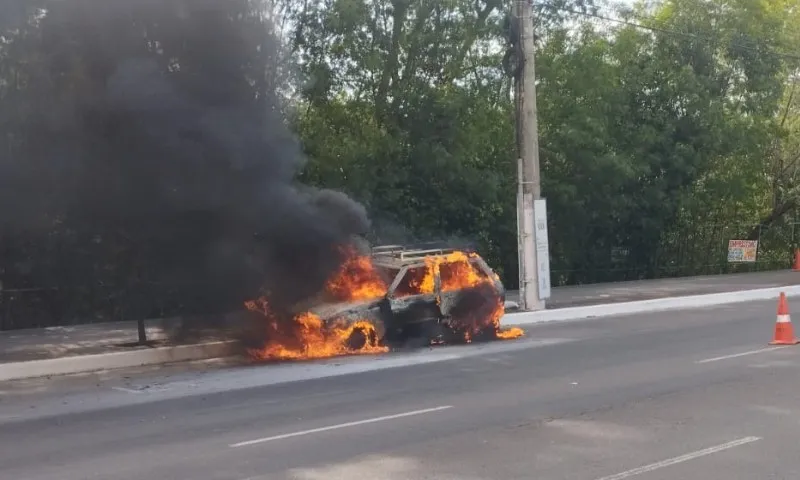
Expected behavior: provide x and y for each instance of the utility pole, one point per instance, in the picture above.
(529, 188)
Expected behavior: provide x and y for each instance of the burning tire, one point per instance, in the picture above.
(486, 334)
(461, 336)
(361, 337)
(450, 335)
(474, 314)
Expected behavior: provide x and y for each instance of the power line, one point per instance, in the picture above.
(664, 30)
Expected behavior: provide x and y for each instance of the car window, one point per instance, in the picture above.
(388, 274)
(477, 267)
(413, 283)
(455, 275)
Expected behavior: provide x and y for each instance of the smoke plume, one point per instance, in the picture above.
(155, 125)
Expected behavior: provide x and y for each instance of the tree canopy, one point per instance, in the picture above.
(653, 121)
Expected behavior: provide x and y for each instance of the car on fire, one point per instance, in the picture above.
(432, 295)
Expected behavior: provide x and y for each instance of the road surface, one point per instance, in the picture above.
(692, 395)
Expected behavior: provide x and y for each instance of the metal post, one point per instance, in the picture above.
(142, 331)
(529, 178)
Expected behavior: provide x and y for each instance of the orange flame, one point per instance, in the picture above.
(356, 280)
(510, 333)
(478, 324)
(456, 272)
(306, 336)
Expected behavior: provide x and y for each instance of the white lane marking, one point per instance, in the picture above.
(681, 459)
(736, 355)
(341, 425)
(126, 390)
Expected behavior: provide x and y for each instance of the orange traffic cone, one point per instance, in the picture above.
(784, 333)
(796, 266)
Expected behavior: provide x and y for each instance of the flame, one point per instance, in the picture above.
(460, 274)
(476, 323)
(464, 275)
(307, 336)
(356, 280)
(510, 333)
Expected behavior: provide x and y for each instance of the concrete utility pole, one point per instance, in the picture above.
(529, 188)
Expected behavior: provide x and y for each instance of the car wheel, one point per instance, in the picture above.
(360, 338)
(485, 335)
(451, 334)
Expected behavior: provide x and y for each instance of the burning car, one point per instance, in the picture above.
(389, 297)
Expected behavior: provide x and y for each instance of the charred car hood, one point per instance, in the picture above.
(343, 309)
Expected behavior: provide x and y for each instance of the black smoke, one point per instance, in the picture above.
(152, 131)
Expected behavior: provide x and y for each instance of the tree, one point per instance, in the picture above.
(407, 107)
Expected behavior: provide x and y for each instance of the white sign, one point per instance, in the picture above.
(542, 247)
(742, 251)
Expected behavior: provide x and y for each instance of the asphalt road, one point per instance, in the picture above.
(694, 395)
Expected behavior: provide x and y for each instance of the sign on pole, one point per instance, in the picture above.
(742, 251)
(542, 247)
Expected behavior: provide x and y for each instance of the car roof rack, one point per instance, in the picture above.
(406, 254)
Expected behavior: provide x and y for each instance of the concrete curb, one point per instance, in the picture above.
(106, 361)
(646, 306)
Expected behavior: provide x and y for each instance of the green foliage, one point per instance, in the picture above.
(644, 132)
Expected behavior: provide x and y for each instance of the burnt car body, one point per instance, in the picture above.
(408, 311)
